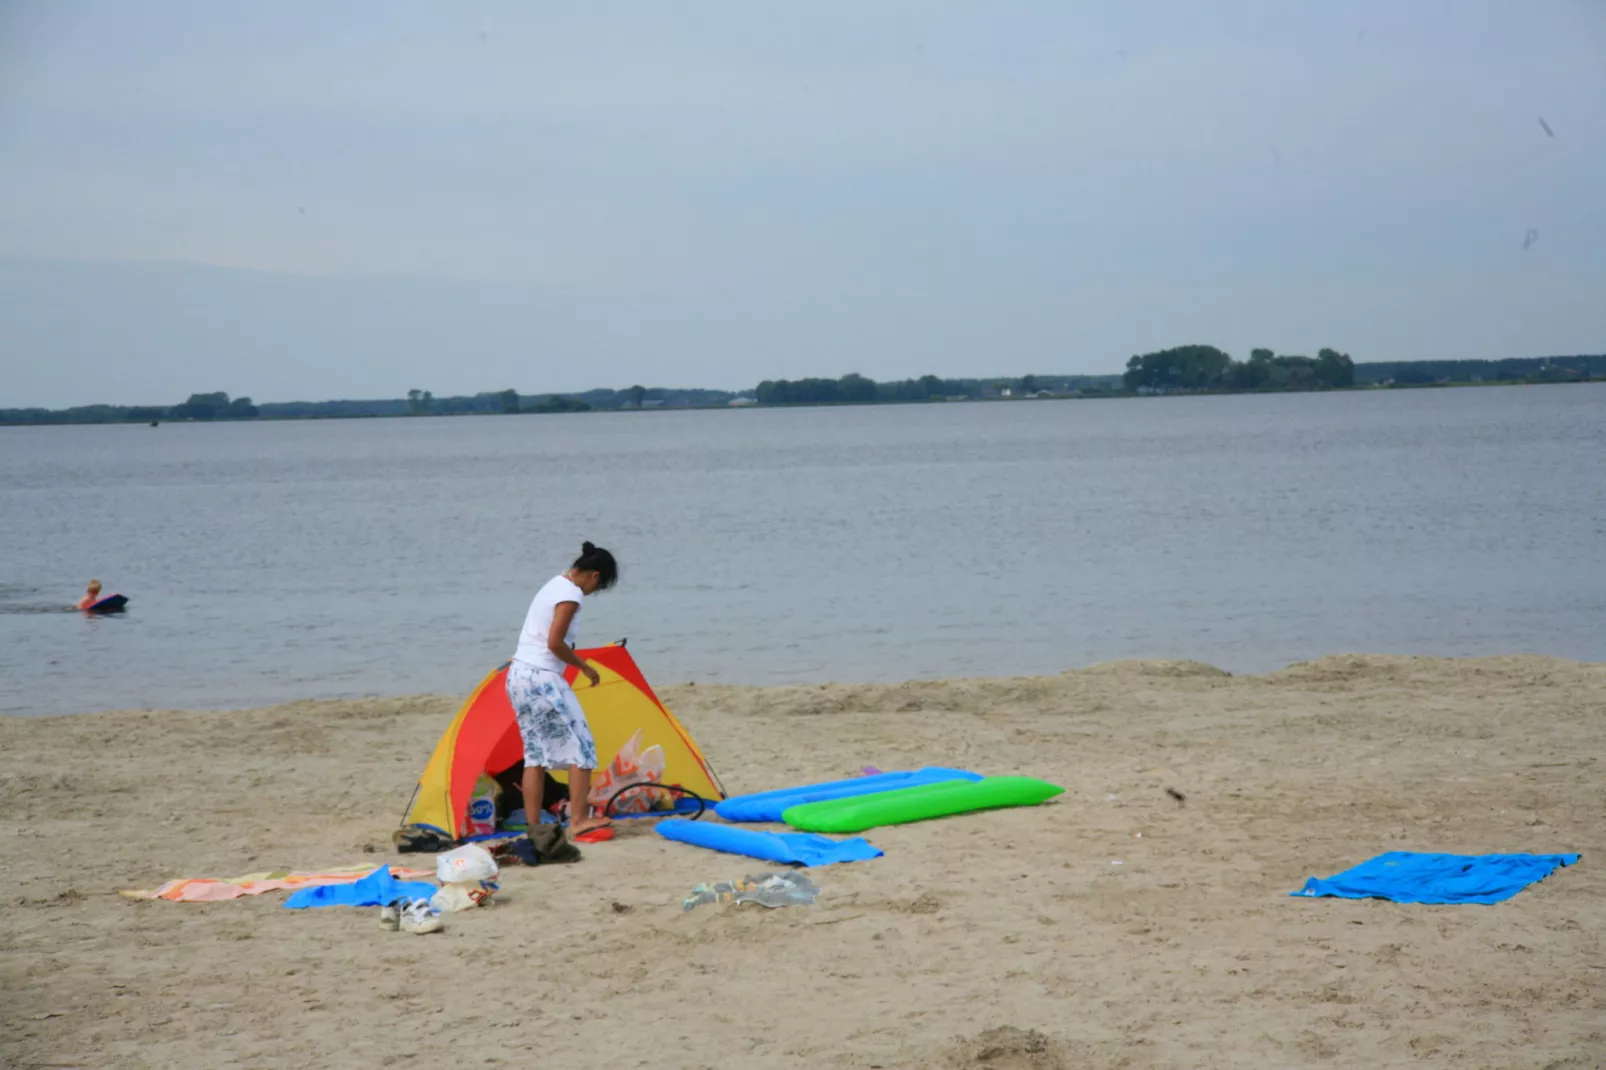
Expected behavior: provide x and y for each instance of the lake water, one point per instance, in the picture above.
(273, 561)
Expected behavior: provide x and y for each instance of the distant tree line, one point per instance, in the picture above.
(426, 403)
(655, 397)
(507, 402)
(1184, 368)
(334, 410)
(855, 389)
(1200, 368)
(216, 406)
(1512, 369)
(848, 390)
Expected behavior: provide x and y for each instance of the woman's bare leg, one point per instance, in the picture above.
(580, 819)
(534, 795)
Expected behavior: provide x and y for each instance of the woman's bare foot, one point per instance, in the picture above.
(589, 824)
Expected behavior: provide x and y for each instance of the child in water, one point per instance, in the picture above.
(91, 595)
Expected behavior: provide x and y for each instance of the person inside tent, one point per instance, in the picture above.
(91, 595)
(551, 723)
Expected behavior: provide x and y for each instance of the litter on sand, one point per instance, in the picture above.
(766, 889)
(1416, 877)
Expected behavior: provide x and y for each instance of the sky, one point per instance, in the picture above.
(303, 200)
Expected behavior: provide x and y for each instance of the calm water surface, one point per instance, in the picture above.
(285, 560)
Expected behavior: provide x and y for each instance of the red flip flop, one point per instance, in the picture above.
(598, 835)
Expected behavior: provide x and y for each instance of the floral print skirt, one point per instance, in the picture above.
(550, 721)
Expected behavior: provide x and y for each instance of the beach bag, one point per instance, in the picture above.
(630, 766)
(468, 863)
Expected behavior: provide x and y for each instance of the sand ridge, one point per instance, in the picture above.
(1011, 940)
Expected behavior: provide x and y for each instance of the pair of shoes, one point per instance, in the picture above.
(410, 917)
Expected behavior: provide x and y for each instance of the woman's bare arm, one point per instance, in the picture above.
(562, 617)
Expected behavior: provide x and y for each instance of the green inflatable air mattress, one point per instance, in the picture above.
(903, 805)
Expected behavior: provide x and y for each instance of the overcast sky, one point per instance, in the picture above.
(312, 200)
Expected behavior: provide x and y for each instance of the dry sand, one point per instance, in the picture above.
(1007, 940)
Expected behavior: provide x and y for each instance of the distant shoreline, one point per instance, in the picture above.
(726, 406)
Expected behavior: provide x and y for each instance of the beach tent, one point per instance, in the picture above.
(483, 738)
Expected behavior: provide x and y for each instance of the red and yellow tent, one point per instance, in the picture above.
(483, 738)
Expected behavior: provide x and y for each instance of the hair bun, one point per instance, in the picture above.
(586, 548)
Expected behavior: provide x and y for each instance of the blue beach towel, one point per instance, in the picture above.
(377, 889)
(1413, 877)
(803, 848)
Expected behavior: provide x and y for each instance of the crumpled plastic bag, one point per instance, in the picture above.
(467, 863)
(631, 765)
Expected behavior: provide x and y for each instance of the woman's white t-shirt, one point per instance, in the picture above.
(538, 624)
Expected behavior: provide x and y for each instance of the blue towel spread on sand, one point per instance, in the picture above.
(801, 848)
(1413, 877)
(378, 889)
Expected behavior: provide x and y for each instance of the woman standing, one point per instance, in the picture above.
(551, 723)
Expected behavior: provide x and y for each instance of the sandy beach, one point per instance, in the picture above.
(1114, 927)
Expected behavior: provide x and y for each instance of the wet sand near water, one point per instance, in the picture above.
(1114, 927)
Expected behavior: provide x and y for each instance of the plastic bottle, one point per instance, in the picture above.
(766, 889)
(482, 807)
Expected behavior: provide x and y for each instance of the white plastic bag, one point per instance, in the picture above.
(630, 766)
(470, 862)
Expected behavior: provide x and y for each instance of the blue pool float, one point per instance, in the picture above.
(800, 848)
(768, 805)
